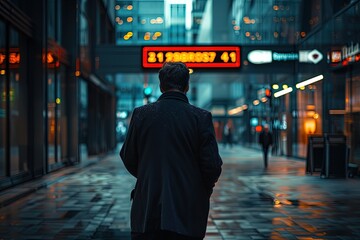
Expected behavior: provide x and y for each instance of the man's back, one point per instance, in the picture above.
(176, 168)
(171, 149)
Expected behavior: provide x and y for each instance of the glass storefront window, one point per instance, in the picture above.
(83, 121)
(51, 117)
(2, 100)
(352, 118)
(61, 116)
(57, 144)
(309, 100)
(51, 18)
(18, 104)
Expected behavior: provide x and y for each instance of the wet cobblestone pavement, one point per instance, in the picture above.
(249, 202)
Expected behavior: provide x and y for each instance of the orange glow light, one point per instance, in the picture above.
(310, 126)
(258, 128)
(49, 58)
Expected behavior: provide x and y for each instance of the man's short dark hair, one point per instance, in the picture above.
(174, 75)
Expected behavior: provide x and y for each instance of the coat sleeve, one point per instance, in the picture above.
(210, 160)
(128, 152)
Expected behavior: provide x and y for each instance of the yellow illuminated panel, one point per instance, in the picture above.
(193, 56)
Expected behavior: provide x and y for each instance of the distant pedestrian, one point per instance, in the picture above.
(228, 133)
(171, 149)
(265, 140)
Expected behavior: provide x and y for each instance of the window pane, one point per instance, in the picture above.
(18, 105)
(61, 116)
(2, 101)
(51, 117)
(83, 117)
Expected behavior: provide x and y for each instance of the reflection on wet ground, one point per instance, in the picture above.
(283, 202)
(249, 202)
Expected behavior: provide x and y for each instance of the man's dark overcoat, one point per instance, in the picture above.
(171, 149)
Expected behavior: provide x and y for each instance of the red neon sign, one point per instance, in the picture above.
(193, 56)
(14, 57)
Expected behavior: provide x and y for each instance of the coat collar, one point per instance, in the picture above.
(174, 95)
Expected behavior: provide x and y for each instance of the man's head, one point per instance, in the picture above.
(266, 127)
(174, 76)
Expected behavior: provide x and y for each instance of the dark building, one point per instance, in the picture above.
(54, 109)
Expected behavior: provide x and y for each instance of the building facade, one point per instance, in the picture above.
(49, 86)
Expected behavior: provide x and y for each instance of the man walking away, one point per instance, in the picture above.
(172, 152)
(265, 140)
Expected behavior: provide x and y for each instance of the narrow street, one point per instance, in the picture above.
(249, 202)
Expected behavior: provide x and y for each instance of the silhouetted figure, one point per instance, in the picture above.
(171, 149)
(265, 140)
(228, 135)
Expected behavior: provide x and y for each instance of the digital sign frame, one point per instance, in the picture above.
(192, 56)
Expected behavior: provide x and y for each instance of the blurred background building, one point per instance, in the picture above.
(71, 72)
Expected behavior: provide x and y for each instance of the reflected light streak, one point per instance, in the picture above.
(309, 81)
(237, 109)
(283, 92)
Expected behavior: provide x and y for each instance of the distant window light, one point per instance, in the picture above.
(159, 20)
(130, 7)
(275, 86)
(276, 7)
(117, 7)
(147, 36)
(247, 20)
(129, 19)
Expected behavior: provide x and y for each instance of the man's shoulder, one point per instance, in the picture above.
(152, 108)
(199, 111)
(141, 111)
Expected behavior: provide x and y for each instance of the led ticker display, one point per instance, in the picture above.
(193, 56)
